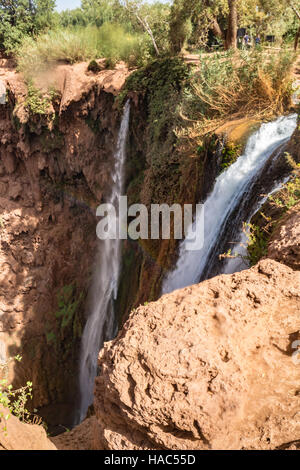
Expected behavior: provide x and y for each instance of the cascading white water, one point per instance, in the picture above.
(100, 323)
(228, 192)
(238, 262)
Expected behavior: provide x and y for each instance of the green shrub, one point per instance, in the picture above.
(289, 197)
(117, 44)
(36, 102)
(257, 243)
(14, 400)
(284, 200)
(110, 63)
(94, 66)
(230, 154)
(67, 305)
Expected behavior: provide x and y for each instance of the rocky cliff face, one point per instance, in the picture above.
(284, 245)
(55, 168)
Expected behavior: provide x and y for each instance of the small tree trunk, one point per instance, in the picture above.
(145, 25)
(297, 39)
(231, 40)
(217, 30)
(294, 9)
(149, 31)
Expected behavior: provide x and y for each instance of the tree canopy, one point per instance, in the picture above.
(222, 17)
(170, 26)
(23, 17)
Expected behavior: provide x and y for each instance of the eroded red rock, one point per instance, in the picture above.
(206, 367)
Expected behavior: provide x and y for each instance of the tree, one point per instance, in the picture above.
(279, 15)
(19, 18)
(296, 11)
(43, 18)
(231, 39)
(208, 14)
(230, 12)
(98, 12)
(134, 8)
(180, 24)
(157, 16)
(222, 18)
(73, 18)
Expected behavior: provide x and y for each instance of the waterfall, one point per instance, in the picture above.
(100, 325)
(239, 262)
(229, 191)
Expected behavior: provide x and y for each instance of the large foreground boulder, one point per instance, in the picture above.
(212, 366)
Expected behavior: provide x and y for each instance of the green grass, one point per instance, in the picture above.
(116, 44)
(111, 41)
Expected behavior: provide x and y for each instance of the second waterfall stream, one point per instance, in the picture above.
(100, 325)
(230, 188)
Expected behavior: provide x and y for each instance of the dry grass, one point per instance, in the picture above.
(257, 86)
(81, 44)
